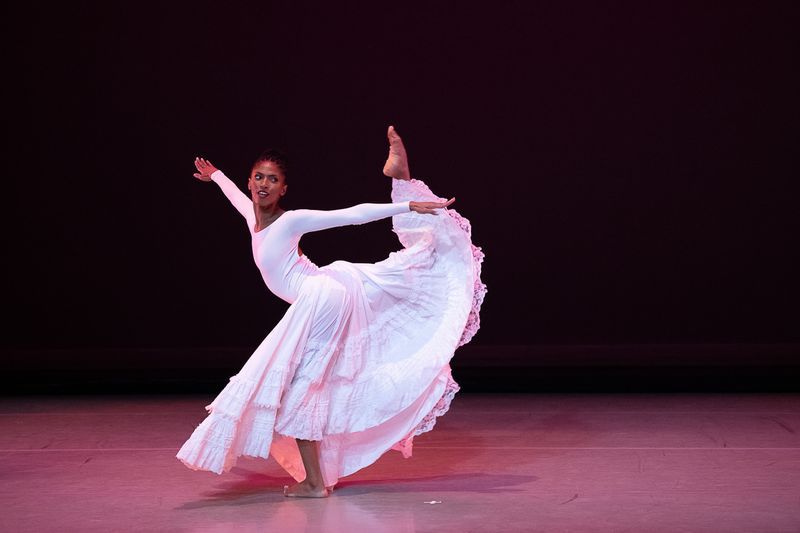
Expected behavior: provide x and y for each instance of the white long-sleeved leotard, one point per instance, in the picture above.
(275, 248)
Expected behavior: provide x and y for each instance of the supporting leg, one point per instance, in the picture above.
(312, 486)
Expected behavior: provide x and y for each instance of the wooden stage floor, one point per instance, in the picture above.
(495, 463)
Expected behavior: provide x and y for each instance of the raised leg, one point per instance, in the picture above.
(312, 486)
(397, 163)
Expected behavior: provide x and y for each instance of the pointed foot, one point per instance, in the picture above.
(397, 162)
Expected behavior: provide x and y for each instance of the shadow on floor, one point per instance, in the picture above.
(256, 488)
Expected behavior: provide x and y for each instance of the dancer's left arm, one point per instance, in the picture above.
(308, 220)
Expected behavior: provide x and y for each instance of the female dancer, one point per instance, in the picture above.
(359, 364)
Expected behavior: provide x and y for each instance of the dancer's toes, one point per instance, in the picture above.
(397, 163)
(302, 490)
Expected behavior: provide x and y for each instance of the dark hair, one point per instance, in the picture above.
(275, 156)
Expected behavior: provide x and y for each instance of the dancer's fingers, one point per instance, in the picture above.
(431, 208)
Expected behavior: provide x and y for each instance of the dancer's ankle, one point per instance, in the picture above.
(314, 483)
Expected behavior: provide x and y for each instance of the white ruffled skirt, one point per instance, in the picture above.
(360, 360)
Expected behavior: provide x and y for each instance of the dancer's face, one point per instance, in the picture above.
(267, 183)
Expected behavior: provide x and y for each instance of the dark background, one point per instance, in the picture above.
(629, 170)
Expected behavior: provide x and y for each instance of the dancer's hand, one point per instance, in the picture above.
(429, 208)
(204, 169)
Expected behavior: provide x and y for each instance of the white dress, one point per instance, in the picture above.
(360, 360)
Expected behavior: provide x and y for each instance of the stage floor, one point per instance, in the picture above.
(495, 462)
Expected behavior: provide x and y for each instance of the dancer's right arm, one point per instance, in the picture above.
(240, 200)
(208, 172)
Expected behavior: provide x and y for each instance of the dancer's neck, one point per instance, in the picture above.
(266, 215)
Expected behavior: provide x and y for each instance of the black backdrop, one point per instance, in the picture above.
(629, 169)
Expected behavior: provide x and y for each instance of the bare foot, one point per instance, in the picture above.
(304, 490)
(397, 163)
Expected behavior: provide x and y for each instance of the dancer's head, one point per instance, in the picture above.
(267, 181)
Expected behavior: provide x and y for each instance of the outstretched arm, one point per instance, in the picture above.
(208, 172)
(308, 220)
